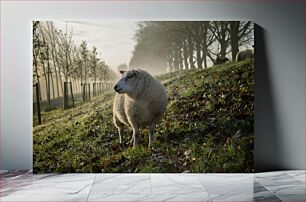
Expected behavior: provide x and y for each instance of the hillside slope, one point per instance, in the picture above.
(208, 127)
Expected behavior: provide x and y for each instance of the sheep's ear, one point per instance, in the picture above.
(136, 71)
(122, 72)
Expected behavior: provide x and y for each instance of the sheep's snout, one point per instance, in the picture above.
(117, 88)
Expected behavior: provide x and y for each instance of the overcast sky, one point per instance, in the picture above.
(113, 39)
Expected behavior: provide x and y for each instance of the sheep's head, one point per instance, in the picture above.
(128, 81)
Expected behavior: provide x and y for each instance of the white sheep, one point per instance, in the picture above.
(141, 101)
(245, 54)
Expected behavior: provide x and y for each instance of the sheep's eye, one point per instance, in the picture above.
(128, 77)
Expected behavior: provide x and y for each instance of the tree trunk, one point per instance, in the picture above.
(223, 44)
(37, 75)
(53, 91)
(81, 74)
(67, 65)
(190, 49)
(205, 62)
(170, 61)
(199, 56)
(53, 59)
(56, 77)
(37, 90)
(55, 55)
(48, 72)
(46, 79)
(59, 71)
(95, 74)
(179, 56)
(185, 55)
(176, 60)
(85, 72)
(234, 30)
(204, 44)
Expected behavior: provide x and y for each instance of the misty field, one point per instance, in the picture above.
(208, 127)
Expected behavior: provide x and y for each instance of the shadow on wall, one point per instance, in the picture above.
(266, 123)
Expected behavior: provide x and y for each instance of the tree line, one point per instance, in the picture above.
(173, 45)
(57, 59)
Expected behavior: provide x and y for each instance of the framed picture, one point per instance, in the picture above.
(143, 96)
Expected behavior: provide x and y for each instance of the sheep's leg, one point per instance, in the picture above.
(135, 128)
(120, 131)
(151, 136)
(135, 136)
(119, 126)
(131, 140)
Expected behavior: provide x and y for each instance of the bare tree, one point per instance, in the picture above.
(84, 56)
(241, 33)
(220, 31)
(37, 43)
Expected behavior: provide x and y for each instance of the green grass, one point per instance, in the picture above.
(206, 109)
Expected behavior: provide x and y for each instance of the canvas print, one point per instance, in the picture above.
(143, 96)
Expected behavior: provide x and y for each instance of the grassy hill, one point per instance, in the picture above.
(208, 127)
